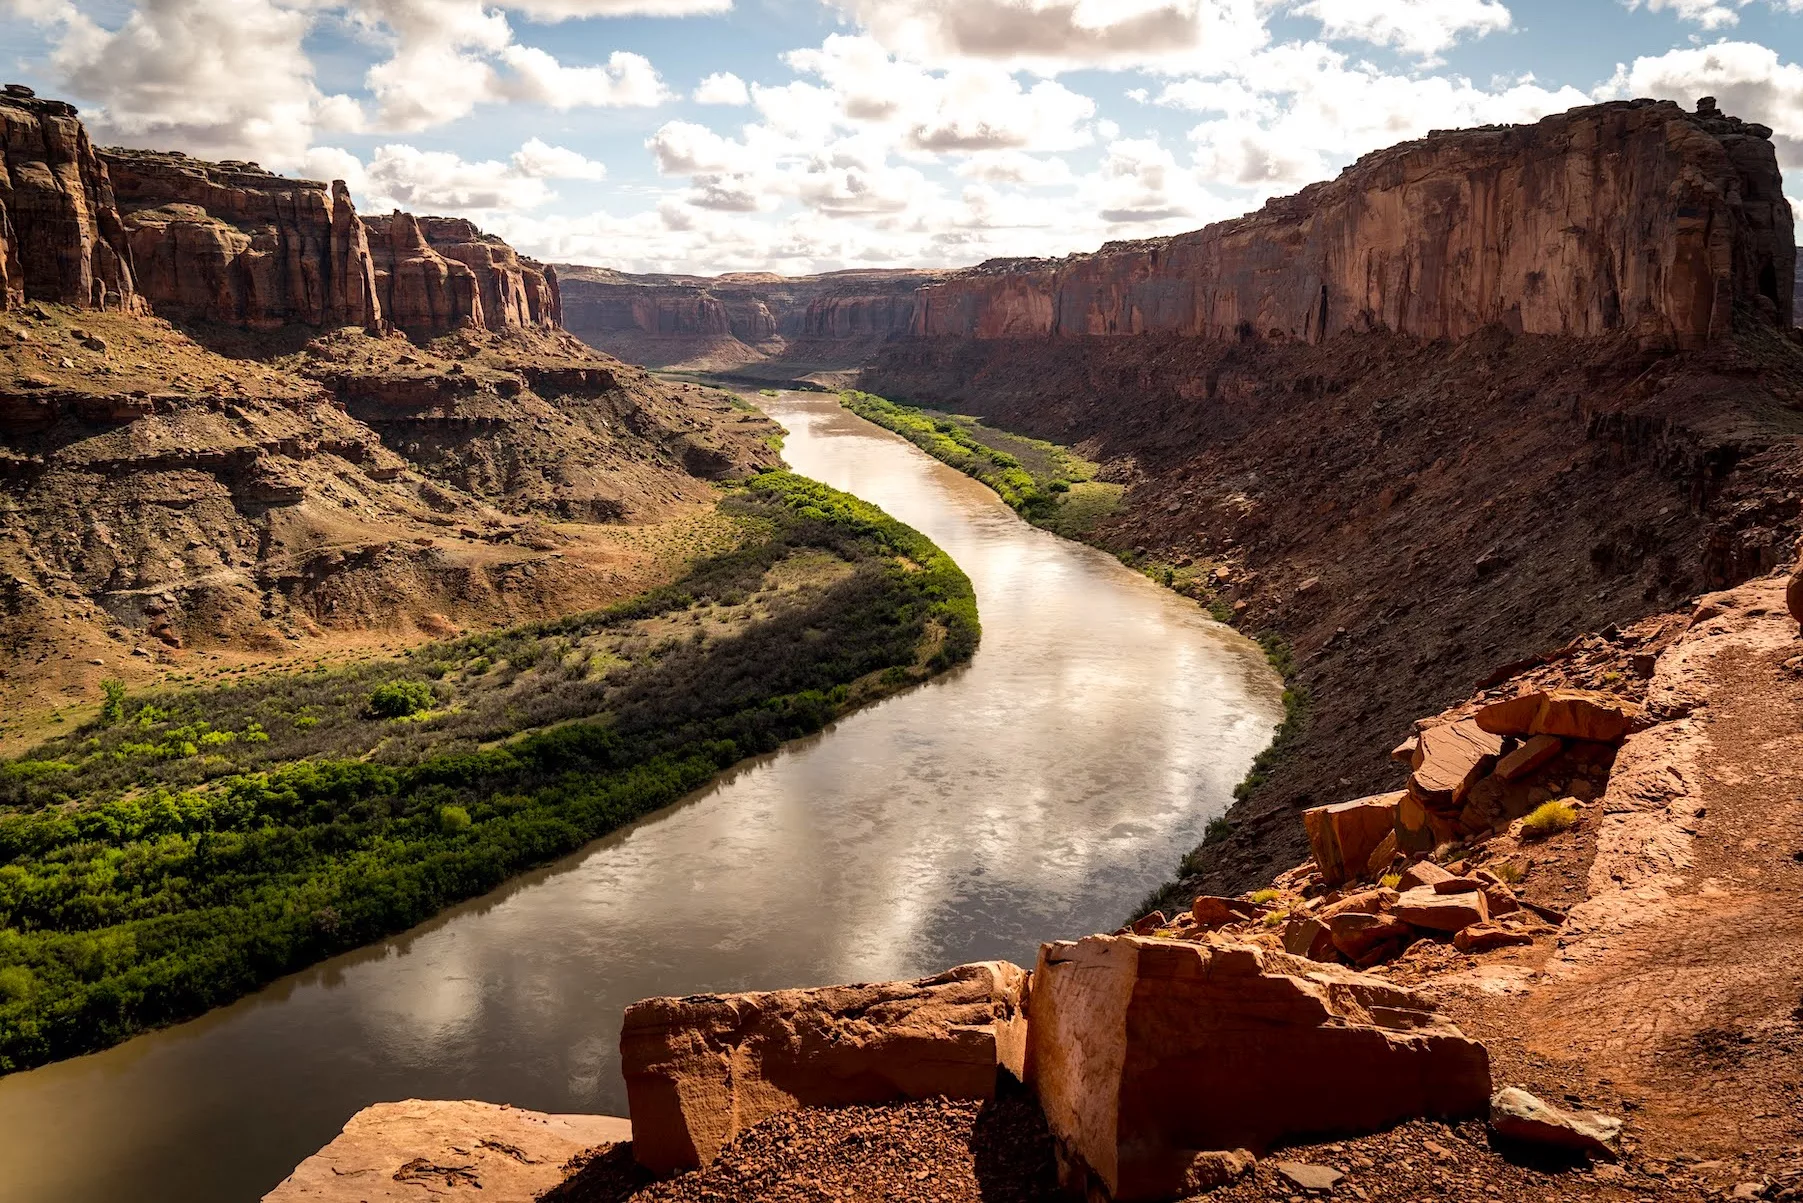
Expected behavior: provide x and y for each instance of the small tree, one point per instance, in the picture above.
(112, 708)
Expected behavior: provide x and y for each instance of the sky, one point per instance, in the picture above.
(811, 135)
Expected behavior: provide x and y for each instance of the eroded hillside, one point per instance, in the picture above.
(236, 417)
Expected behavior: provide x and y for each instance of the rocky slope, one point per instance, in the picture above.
(359, 428)
(777, 327)
(1413, 514)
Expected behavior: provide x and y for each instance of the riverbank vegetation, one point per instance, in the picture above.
(1048, 485)
(190, 845)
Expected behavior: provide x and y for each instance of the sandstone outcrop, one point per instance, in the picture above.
(1629, 216)
(1148, 1052)
(699, 1070)
(436, 274)
(446, 1150)
(229, 242)
(60, 236)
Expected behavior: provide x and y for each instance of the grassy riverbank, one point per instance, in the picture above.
(188, 846)
(1048, 485)
(1053, 487)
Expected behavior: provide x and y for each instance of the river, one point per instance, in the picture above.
(1037, 792)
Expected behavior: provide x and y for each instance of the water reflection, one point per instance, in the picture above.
(1036, 793)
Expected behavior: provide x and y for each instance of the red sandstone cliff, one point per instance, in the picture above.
(229, 242)
(437, 273)
(1634, 216)
(60, 236)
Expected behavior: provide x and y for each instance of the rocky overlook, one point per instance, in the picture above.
(1633, 216)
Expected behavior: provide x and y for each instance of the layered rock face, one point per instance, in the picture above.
(1630, 216)
(700, 1070)
(836, 319)
(60, 237)
(435, 274)
(229, 242)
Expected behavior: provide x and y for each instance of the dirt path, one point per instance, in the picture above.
(1681, 987)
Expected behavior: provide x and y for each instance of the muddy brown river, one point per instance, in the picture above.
(1038, 792)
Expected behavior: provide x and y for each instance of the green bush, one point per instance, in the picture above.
(112, 708)
(399, 699)
(452, 819)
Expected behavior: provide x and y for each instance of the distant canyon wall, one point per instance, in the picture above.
(1631, 216)
(231, 243)
(732, 321)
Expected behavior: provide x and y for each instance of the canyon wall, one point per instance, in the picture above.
(60, 236)
(438, 273)
(229, 242)
(751, 321)
(1630, 216)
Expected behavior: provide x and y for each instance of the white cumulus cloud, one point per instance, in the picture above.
(722, 87)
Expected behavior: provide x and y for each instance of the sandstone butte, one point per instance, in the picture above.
(1683, 218)
(117, 229)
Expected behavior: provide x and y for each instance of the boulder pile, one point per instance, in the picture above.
(1161, 1065)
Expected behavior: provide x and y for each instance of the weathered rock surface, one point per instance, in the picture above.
(422, 1149)
(1148, 1052)
(1427, 908)
(1450, 758)
(1628, 216)
(1532, 754)
(1344, 836)
(60, 237)
(1566, 713)
(232, 243)
(1517, 1115)
(437, 274)
(699, 1070)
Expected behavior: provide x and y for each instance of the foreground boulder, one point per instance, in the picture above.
(1343, 837)
(1148, 1053)
(699, 1070)
(1517, 1115)
(446, 1150)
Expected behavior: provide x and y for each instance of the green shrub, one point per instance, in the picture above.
(1549, 819)
(399, 699)
(112, 708)
(452, 819)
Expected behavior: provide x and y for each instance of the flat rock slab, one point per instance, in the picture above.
(1449, 760)
(422, 1149)
(700, 1070)
(1316, 1179)
(1426, 908)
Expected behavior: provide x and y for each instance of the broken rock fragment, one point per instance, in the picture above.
(1147, 1054)
(1517, 1115)
(1449, 760)
(699, 1070)
(1566, 713)
(1427, 908)
(1342, 837)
